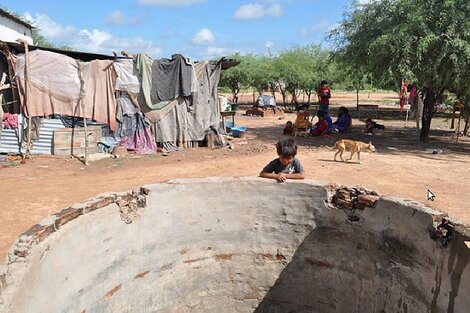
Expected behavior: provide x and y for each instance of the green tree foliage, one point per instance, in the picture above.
(235, 77)
(260, 72)
(40, 41)
(425, 41)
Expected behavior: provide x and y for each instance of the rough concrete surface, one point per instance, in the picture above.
(240, 245)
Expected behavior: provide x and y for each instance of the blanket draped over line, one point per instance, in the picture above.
(191, 117)
(171, 78)
(55, 87)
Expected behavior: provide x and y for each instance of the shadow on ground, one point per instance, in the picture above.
(392, 140)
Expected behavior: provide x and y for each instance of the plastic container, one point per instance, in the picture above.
(234, 106)
(239, 131)
(228, 126)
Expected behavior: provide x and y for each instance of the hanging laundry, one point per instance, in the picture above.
(171, 78)
(10, 120)
(137, 135)
(133, 131)
(56, 86)
(99, 80)
(127, 76)
(402, 94)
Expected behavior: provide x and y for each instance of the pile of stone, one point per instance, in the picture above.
(352, 199)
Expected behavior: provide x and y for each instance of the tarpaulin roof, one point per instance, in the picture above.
(83, 56)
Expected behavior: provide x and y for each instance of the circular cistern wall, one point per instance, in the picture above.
(240, 245)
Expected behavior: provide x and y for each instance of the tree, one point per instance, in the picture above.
(424, 41)
(260, 72)
(355, 78)
(235, 77)
(317, 67)
(291, 66)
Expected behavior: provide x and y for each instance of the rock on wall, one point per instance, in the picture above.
(240, 245)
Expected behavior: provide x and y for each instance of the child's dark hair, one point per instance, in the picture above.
(286, 148)
(320, 114)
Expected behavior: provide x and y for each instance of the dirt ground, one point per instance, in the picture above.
(401, 167)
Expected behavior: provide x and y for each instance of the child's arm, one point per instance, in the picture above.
(280, 177)
(295, 176)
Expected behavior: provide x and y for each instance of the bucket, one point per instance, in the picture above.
(239, 131)
(234, 106)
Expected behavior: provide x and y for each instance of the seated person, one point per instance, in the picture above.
(321, 127)
(328, 119)
(289, 128)
(344, 121)
(302, 122)
(287, 166)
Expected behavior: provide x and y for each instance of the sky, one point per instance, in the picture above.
(198, 29)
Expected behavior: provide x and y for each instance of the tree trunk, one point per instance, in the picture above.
(273, 90)
(467, 124)
(235, 91)
(357, 99)
(428, 111)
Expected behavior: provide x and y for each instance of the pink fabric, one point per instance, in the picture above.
(10, 120)
(99, 86)
(141, 142)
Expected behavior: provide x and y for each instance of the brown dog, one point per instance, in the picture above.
(354, 146)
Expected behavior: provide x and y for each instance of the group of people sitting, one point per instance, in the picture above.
(324, 126)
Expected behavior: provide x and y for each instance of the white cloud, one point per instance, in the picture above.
(169, 2)
(118, 18)
(213, 52)
(203, 37)
(256, 11)
(95, 40)
(51, 29)
(317, 28)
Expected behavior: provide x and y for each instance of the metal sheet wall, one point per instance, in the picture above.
(10, 137)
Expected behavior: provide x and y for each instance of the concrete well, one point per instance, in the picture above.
(240, 245)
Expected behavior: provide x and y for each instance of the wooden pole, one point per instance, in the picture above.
(27, 87)
(82, 107)
(453, 118)
(458, 128)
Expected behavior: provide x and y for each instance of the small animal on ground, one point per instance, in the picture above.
(354, 147)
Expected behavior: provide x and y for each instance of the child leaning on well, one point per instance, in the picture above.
(287, 166)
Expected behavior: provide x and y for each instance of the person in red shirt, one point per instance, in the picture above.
(324, 95)
(321, 127)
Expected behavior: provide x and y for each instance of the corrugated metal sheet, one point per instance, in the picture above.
(9, 140)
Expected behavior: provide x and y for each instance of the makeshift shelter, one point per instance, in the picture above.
(138, 102)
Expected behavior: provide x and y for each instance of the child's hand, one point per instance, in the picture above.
(281, 177)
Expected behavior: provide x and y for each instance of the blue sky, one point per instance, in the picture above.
(199, 29)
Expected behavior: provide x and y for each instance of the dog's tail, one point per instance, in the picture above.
(333, 147)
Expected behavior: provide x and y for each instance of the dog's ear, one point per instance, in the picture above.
(370, 143)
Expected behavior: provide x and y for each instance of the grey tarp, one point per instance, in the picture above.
(416, 110)
(143, 65)
(171, 78)
(191, 117)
